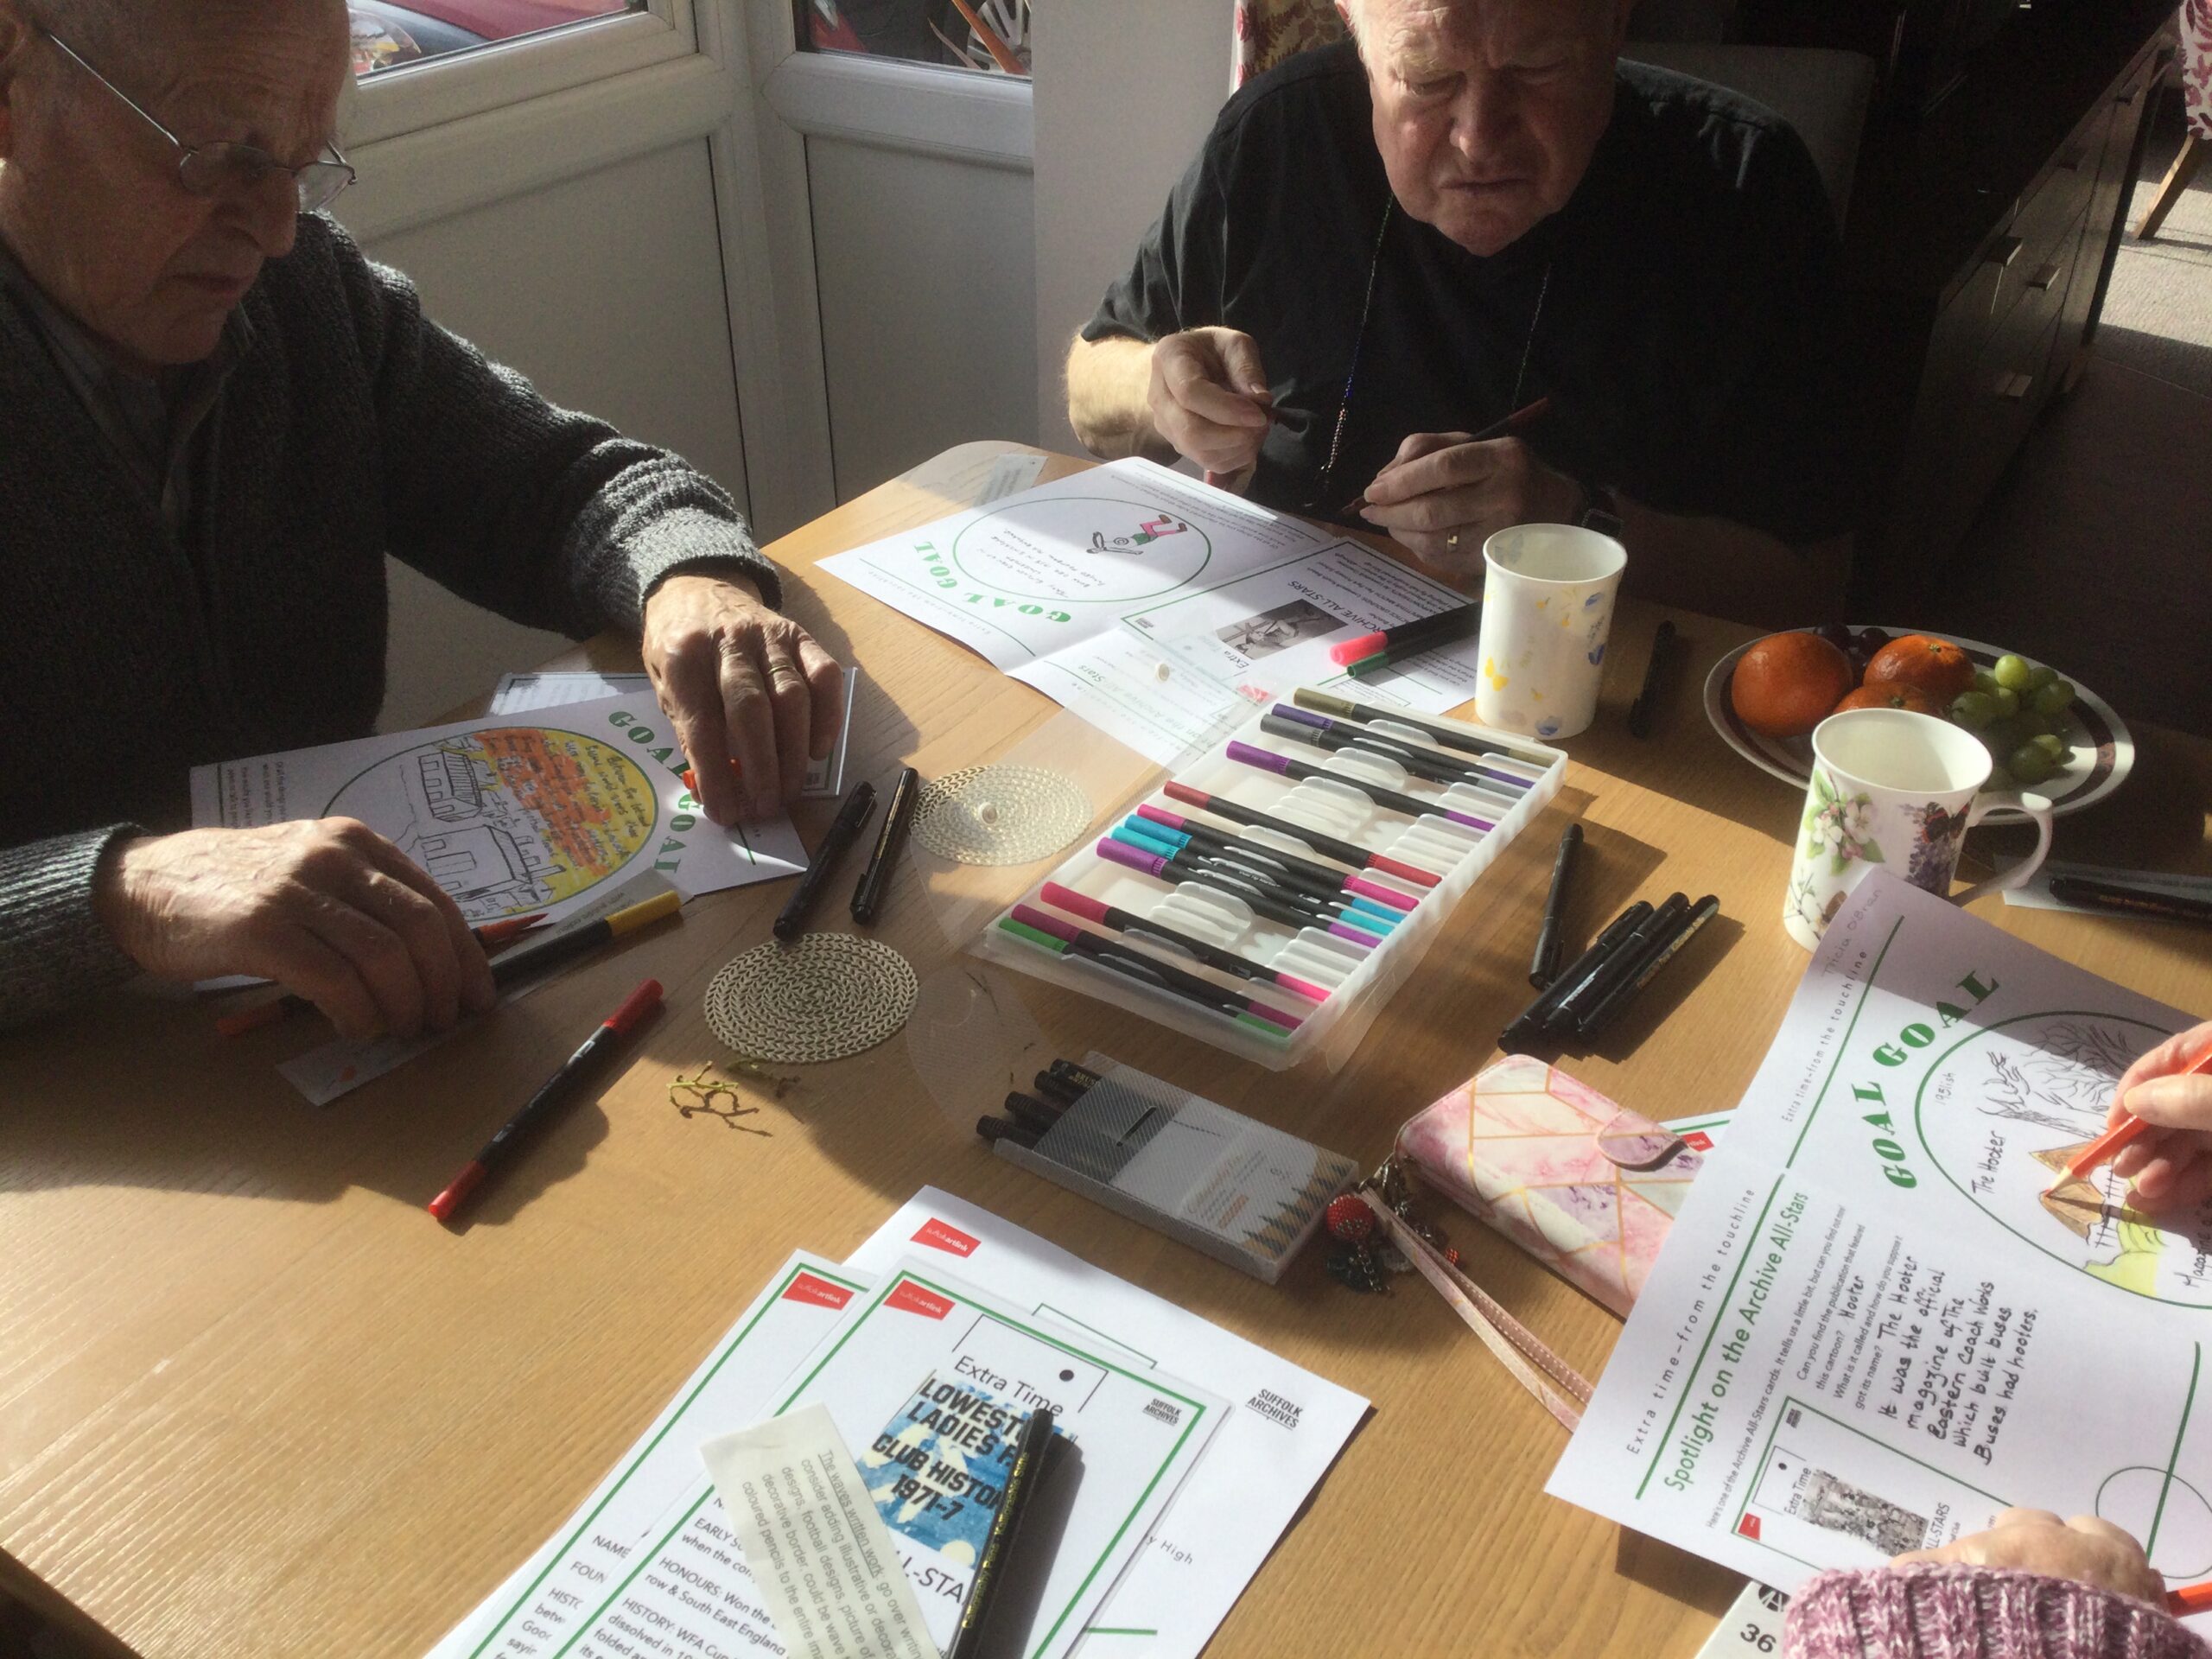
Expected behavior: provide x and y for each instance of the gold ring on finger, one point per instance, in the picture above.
(1452, 540)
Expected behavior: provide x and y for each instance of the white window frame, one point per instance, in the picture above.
(456, 86)
(931, 109)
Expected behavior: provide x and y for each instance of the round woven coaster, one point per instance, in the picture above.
(1000, 815)
(828, 995)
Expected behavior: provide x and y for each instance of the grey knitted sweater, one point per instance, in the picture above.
(350, 427)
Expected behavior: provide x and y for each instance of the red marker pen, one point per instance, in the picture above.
(555, 1093)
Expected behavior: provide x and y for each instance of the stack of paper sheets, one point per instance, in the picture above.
(1188, 1478)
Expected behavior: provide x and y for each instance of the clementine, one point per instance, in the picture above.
(1936, 667)
(1785, 684)
(1897, 694)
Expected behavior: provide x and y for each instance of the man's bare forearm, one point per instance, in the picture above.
(1109, 381)
(1725, 569)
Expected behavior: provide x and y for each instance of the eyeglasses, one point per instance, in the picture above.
(226, 169)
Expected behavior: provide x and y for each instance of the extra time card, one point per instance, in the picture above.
(928, 1381)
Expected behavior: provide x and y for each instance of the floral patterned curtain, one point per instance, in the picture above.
(1267, 31)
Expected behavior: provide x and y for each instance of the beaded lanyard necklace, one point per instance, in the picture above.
(1359, 346)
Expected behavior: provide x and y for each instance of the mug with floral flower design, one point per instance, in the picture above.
(1896, 790)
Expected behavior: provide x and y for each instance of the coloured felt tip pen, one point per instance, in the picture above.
(1358, 741)
(1278, 906)
(1382, 640)
(1064, 938)
(1322, 703)
(837, 841)
(1122, 921)
(1464, 621)
(1432, 764)
(1543, 968)
(1345, 852)
(540, 956)
(868, 897)
(489, 936)
(1529, 1022)
(1389, 799)
(1669, 944)
(556, 1091)
(1173, 827)
(1618, 968)
(1032, 1444)
(1278, 884)
(2125, 1132)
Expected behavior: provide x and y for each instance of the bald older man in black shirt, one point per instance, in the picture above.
(1384, 248)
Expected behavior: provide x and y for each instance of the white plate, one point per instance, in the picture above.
(2100, 751)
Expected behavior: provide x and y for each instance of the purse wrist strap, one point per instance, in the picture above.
(1563, 1390)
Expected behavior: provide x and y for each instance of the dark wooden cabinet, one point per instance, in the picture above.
(1980, 237)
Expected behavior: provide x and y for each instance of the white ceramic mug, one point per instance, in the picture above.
(1896, 790)
(1548, 610)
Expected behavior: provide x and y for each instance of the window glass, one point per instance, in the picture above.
(990, 36)
(386, 35)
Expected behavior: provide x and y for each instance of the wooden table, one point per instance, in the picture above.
(253, 1401)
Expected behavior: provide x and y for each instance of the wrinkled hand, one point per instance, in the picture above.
(741, 682)
(328, 909)
(1442, 485)
(2172, 1166)
(1209, 398)
(2086, 1549)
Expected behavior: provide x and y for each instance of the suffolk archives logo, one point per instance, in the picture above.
(1275, 1408)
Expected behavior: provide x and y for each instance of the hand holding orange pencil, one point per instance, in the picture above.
(2160, 1135)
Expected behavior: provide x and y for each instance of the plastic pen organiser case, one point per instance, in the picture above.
(1241, 1190)
(1272, 896)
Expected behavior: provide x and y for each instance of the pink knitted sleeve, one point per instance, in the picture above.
(1975, 1613)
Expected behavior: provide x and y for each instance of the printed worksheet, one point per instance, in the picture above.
(1287, 1428)
(541, 1609)
(556, 687)
(1157, 608)
(926, 1378)
(1884, 1314)
(512, 815)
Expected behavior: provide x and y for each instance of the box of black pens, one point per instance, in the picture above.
(1242, 1192)
(1272, 896)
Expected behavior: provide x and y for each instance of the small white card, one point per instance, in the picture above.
(1751, 1628)
(821, 1558)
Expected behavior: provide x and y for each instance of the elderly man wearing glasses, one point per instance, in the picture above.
(216, 418)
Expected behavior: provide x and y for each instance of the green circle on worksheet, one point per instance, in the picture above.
(1137, 550)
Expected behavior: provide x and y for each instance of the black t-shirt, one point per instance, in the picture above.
(1690, 335)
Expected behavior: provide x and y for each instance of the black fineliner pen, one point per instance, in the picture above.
(868, 897)
(844, 831)
(1601, 1013)
(1031, 1445)
(1543, 969)
(1531, 1020)
(1618, 968)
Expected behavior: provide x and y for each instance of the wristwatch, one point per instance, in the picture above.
(1601, 510)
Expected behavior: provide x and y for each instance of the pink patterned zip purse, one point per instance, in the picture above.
(1585, 1187)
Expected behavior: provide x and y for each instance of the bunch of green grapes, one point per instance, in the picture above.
(2015, 709)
